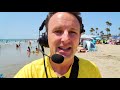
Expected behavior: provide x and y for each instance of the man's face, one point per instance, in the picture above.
(63, 34)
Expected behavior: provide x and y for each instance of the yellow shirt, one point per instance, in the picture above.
(35, 69)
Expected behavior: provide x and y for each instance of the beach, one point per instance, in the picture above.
(107, 58)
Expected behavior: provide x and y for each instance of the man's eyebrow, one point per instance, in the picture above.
(73, 28)
(61, 28)
(57, 28)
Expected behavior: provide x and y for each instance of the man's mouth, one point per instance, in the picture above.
(64, 49)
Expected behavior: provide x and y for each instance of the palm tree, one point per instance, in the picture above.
(101, 34)
(108, 29)
(109, 35)
(96, 31)
(92, 30)
(108, 23)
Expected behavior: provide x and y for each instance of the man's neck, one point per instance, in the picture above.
(61, 69)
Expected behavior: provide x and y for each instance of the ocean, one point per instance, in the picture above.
(13, 58)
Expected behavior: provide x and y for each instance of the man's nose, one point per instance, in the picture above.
(65, 37)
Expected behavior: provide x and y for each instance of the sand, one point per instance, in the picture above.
(107, 58)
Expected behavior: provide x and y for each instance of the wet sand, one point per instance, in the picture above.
(12, 59)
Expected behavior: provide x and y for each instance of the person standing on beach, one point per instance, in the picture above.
(63, 31)
(28, 51)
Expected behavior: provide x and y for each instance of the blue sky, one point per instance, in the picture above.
(25, 25)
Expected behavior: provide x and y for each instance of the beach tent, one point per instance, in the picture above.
(93, 38)
(85, 37)
(89, 46)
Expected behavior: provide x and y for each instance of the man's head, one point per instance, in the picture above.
(64, 30)
(76, 14)
(44, 39)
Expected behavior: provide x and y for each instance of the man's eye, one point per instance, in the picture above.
(58, 32)
(72, 32)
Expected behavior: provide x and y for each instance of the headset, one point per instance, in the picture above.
(43, 40)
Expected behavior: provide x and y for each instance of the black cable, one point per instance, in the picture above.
(42, 51)
(44, 61)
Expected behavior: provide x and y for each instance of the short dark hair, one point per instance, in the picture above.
(76, 14)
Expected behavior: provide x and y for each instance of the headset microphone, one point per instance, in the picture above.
(56, 58)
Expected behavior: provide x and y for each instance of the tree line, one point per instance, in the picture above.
(101, 33)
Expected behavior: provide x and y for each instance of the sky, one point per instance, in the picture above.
(25, 25)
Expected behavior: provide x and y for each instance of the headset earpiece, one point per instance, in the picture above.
(43, 40)
(82, 29)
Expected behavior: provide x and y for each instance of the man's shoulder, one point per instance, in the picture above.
(31, 69)
(86, 62)
(88, 69)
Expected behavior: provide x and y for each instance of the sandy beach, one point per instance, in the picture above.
(107, 58)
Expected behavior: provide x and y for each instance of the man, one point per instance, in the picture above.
(64, 30)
